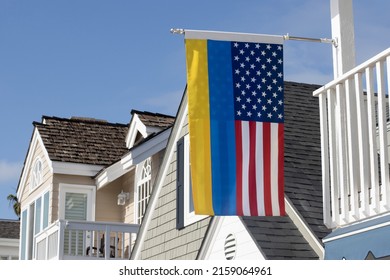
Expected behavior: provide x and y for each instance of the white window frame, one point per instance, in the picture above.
(36, 179)
(189, 216)
(89, 190)
(30, 239)
(140, 182)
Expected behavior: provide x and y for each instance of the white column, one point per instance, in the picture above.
(343, 32)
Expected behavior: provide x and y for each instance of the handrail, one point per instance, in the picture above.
(358, 69)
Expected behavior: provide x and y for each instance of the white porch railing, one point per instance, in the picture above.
(354, 135)
(85, 240)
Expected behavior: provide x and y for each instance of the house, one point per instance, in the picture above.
(86, 182)
(9, 239)
(171, 230)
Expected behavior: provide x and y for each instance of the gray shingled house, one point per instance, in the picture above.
(86, 183)
(9, 239)
(171, 230)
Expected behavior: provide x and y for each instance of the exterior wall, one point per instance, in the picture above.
(107, 208)
(28, 195)
(127, 210)
(163, 240)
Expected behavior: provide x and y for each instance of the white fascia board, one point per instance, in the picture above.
(36, 138)
(110, 174)
(81, 169)
(136, 126)
(146, 149)
(304, 228)
(151, 147)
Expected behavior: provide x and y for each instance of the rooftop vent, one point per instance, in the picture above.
(86, 119)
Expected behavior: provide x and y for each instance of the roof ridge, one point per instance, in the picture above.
(80, 120)
(133, 111)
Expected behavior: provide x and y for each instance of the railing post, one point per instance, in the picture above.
(61, 239)
(107, 248)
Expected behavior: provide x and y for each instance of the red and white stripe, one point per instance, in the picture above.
(260, 168)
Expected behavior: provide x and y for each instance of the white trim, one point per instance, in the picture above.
(174, 136)
(76, 168)
(135, 126)
(33, 175)
(147, 149)
(304, 229)
(209, 238)
(90, 190)
(110, 174)
(9, 242)
(36, 138)
(189, 217)
(229, 36)
(365, 229)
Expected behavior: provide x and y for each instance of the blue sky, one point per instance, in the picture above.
(101, 59)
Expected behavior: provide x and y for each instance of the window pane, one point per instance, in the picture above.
(38, 206)
(45, 221)
(23, 236)
(76, 206)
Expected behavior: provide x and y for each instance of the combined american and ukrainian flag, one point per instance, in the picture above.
(236, 123)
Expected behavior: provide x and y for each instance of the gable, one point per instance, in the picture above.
(229, 239)
(36, 151)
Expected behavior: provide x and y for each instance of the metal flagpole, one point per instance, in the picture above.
(181, 31)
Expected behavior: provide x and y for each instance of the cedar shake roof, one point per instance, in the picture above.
(278, 237)
(154, 119)
(9, 229)
(83, 140)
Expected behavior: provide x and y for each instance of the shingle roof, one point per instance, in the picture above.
(303, 177)
(278, 237)
(83, 140)
(155, 119)
(9, 229)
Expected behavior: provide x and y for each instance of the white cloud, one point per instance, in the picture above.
(9, 171)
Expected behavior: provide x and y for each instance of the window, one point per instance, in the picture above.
(185, 214)
(144, 188)
(36, 174)
(34, 219)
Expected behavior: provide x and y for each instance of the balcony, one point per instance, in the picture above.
(82, 240)
(354, 138)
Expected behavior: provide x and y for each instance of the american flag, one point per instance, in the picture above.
(259, 117)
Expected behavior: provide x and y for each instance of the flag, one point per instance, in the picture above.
(236, 123)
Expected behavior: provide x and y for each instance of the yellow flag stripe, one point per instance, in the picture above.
(199, 125)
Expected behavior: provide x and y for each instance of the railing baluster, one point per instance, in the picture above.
(335, 194)
(352, 149)
(364, 162)
(374, 169)
(342, 152)
(382, 127)
(324, 159)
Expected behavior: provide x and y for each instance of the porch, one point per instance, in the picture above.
(84, 240)
(354, 111)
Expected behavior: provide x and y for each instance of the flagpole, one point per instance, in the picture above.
(180, 31)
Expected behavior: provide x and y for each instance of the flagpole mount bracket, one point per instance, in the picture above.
(179, 31)
(315, 40)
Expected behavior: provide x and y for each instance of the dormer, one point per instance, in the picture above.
(146, 124)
